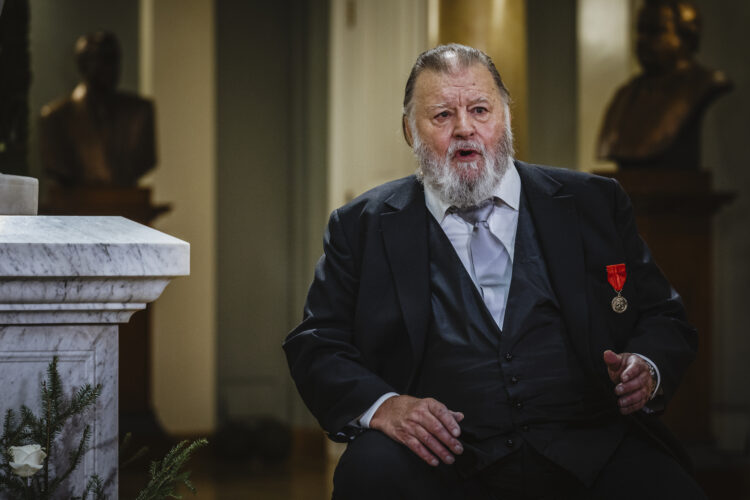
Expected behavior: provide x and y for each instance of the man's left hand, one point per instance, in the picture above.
(632, 377)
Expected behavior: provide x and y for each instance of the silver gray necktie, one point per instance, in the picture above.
(490, 259)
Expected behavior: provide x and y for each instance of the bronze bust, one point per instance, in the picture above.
(654, 120)
(98, 136)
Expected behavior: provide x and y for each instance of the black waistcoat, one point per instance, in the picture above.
(524, 383)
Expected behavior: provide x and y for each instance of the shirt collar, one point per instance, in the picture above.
(508, 191)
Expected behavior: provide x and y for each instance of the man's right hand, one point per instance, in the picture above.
(426, 426)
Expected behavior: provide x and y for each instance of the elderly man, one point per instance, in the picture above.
(489, 328)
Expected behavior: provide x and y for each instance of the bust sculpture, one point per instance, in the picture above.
(98, 136)
(654, 120)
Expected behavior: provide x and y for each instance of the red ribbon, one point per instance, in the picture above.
(616, 275)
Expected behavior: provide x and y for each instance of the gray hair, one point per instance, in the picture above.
(448, 58)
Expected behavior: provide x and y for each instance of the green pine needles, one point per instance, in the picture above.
(25, 428)
(28, 444)
(166, 474)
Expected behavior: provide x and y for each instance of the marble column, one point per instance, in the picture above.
(65, 284)
(19, 195)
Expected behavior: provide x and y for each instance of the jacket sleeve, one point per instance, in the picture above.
(327, 367)
(662, 332)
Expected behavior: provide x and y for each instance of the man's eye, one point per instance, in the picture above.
(480, 110)
(442, 114)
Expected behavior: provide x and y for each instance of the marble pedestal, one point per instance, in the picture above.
(18, 195)
(65, 284)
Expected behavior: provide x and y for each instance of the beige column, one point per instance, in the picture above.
(605, 61)
(178, 71)
(497, 27)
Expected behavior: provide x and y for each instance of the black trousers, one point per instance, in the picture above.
(375, 467)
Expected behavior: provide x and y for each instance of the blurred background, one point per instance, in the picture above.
(271, 114)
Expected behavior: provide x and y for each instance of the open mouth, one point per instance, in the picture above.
(467, 153)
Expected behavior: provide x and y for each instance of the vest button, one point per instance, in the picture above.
(513, 379)
(508, 356)
(509, 443)
(525, 428)
(518, 404)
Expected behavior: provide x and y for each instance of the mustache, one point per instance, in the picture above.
(458, 145)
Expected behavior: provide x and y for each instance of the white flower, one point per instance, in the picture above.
(27, 460)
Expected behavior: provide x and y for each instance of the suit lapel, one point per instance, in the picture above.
(405, 239)
(556, 221)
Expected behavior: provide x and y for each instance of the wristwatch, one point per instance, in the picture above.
(652, 372)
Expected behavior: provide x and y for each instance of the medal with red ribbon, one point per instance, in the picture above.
(616, 275)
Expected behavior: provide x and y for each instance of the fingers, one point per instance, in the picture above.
(643, 380)
(425, 426)
(636, 392)
(614, 364)
(415, 445)
(446, 417)
(633, 379)
(633, 402)
(613, 360)
(428, 439)
(442, 425)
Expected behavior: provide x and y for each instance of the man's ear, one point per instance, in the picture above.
(407, 131)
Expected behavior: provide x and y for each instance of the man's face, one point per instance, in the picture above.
(459, 108)
(100, 66)
(659, 44)
(460, 131)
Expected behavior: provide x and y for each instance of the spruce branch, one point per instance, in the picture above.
(56, 411)
(13, 431)
(74, 459)
(30, 426)
(124, 445)
(95, 487)
(166, 474)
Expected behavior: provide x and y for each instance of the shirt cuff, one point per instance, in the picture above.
(655, 392)
(364, 420)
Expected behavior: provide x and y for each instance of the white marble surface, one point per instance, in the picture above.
(18, 195)
(83, 270)
(64, 284)
(86, 354)
(52, 246)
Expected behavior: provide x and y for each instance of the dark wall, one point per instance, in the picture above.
(725, 45)
(553, 121)
(267, 158)
(14, 86)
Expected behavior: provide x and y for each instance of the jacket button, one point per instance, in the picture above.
(508, 356)
(513, 379)
(525, 428)
(509, 443)
(518, 404)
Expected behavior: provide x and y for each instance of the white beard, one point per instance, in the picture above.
(448, 181)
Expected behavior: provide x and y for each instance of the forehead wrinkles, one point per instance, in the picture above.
(460, 87)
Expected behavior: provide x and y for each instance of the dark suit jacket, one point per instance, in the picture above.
(368, 308)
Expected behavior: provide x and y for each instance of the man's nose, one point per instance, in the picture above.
(464, 128)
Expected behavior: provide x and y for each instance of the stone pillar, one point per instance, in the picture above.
(65, 285)
(18, 195)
